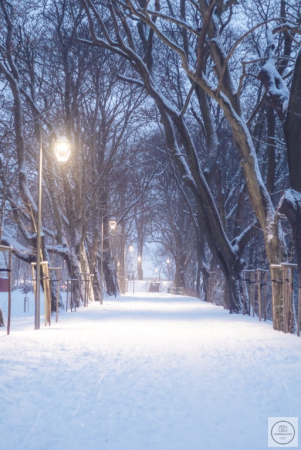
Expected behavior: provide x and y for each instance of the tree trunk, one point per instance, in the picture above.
(205, 276)
(290, 205)
(1, 319)
(179, 280)
(292, 127)
(74, 269)
(271, 149)
(86, 269)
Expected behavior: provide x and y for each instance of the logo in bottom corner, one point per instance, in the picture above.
(283, 432)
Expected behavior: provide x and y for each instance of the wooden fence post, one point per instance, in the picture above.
(259, 293)
(290, 292)
(277, 295)
(299, 307)
(4, 248)
(265, 291)
(285, 298)
(243, 292)
(252, 291)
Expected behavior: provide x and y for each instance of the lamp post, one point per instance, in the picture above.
(112, 225)
(62, 150)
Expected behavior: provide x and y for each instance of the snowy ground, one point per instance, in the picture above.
(145, 372)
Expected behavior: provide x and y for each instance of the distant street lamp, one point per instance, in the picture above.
(112, 223)
(62, 150)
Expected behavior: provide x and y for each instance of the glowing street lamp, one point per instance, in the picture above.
(62, 150)
(112, 223)
(131, 248)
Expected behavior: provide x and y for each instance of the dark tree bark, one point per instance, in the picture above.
(271, 149)
(292, 127)
(290, 204)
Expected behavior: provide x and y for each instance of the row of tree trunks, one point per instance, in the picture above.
(229, 102)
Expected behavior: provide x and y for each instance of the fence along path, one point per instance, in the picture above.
(277, 298)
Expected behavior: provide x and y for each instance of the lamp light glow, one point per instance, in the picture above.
(62, 148)
(112, 223)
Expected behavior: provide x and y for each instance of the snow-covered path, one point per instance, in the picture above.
(151, 373)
